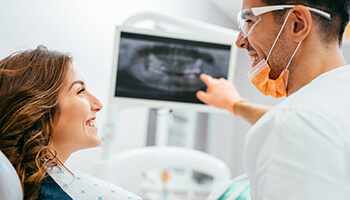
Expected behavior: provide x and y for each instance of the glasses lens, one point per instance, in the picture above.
(246, 20)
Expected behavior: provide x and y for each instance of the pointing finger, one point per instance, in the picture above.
(206, 78)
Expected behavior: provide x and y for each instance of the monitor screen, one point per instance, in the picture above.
(162, 70)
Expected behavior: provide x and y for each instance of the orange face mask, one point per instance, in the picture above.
(259, 74)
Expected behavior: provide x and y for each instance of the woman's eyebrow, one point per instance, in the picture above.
(77, 82)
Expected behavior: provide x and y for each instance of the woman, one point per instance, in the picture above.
(46, 114)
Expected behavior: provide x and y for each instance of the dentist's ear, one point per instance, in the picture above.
(302, 23)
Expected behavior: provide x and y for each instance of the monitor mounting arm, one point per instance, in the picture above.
(192, 25)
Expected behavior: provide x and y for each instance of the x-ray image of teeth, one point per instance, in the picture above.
(156, 68)
(168, 68)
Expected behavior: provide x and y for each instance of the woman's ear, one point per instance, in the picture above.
(302, 23)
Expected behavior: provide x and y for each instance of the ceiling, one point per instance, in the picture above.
(229, 7)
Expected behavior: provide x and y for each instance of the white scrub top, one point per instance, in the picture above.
(300, 149)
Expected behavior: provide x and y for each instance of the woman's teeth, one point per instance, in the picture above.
(91, 123)
(254, 58)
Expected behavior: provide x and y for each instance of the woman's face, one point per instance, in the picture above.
(75, 127)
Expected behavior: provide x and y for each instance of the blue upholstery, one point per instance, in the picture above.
(50, 190)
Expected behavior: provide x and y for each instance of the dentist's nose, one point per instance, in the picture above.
(242, 42)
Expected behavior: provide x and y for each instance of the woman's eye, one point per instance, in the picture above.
(81, 91)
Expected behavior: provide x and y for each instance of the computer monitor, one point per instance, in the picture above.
(161, 70)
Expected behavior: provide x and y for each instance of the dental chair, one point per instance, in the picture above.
(10, 185)
(123, 166)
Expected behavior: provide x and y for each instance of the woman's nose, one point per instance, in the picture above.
(95, 104)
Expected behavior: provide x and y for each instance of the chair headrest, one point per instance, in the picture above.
(10, 185)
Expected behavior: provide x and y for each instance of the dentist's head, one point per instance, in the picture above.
(272, 32)
(46, 113)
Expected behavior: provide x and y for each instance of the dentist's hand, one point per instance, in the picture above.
(220, 93)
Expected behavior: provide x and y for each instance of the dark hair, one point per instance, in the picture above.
(330, 29)
(30, 84)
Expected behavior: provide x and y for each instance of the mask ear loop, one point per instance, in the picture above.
(290, 60)
(284, 23)
(295, 51)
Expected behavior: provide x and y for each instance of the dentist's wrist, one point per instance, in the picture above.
(235, 103)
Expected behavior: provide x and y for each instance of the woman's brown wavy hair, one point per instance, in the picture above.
(30, 84)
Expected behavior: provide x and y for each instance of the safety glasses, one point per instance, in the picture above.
(247, 19)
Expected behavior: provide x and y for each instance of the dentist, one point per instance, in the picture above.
(300, 148)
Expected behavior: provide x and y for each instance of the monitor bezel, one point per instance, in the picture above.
(127, 101)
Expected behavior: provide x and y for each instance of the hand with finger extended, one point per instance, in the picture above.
(220, 93)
